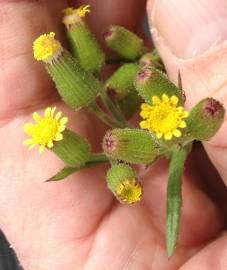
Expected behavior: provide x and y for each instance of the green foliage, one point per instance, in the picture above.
(174, 198)
(94, 160)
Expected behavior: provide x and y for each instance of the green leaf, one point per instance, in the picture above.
(180, 86)
(95, 159)
(66, 171)
(174, 198)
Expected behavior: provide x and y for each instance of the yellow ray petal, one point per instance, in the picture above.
(47, 112)
(165, 98)
(155, 100)
(36, 117)
(174, 100)
(168, 136)
(58, 137)
(177, 133)
(64, 120)
(41, 148)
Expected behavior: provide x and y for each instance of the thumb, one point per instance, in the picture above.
(191, 37)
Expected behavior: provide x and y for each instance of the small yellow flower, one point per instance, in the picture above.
(46, 47)
(129, 191)
(74, 15)
(163, 117)
(46, 130)
(80, 11)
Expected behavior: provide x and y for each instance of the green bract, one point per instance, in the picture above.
(124, 42)
(205, 119)
(74, 150)
(131, 145)
(77, 87)
(152, 82)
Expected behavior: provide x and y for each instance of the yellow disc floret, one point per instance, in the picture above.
(80, 11)
(163, 117)
(75, 15)
(46, 47)
(46, 130)
(129, 191)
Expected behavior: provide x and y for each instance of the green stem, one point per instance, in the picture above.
(116, 61)
(98, 158)
(117, 114)
(104, 117)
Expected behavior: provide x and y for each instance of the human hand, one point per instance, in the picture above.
(76, 223)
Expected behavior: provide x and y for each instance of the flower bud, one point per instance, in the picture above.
(152, 82)
(152, 59)
(130, 145)
(77, 87)
(205, 119)
(124, 42)
(122, 181)
(122, 81)
(83, 43)
(72, 149)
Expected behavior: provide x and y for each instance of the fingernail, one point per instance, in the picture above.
(189, 27)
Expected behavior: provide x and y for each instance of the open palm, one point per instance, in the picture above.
(76, 223)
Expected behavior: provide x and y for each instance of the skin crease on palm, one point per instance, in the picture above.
(76, 224)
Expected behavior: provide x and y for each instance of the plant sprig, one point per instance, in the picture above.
(166, 128)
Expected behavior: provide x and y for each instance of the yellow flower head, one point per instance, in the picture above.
(80, 11)
(46, 130)
(46, 47)
(163, 117)
(129, 191)
(73, 15)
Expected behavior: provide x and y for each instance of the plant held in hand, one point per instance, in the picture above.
(166, 128)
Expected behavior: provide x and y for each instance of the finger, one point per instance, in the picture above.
(194, 42)
(24, 82)
(212, 256)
